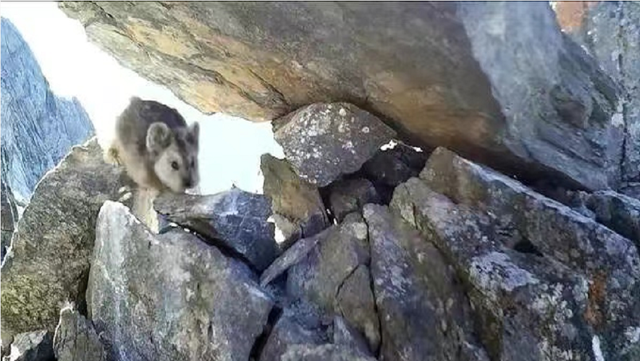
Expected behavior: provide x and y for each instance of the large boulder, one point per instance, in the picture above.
(609, 30)
(298, 210)
(502, 84)
(170, 296)
(48, 263)
(543, 279)
(75, 338)
(234, 219)
(423, 313)
(323, 141)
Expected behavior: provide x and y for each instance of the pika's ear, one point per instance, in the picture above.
(158, 137)
(195, 132)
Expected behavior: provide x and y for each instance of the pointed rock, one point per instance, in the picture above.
(170, 296)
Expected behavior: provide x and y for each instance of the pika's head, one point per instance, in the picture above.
(175, 155)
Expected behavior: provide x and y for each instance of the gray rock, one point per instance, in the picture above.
(32, 346)
(48, 263)
(501, 84)
(354, 301)
(38, 127)
(601, 267)
(554, 229)
(618, 212)
(573, 122)
(170, 296)
(423, 312)
(234, 219)
(350, 195)
(347, 336)
(610, 32)
(297, 207)
(8, 218)
(323, 141)
(293, 255)
(287, 332)
(333, 276)
(324, 353)
(75, 339)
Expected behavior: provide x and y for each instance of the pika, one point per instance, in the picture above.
(155, 145)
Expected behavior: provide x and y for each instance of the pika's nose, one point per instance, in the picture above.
(188, 183)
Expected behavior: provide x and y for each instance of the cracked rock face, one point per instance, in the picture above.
(543, 279)
(334, 276)
(51, 253)
(235, 219)
(423, 313)
(170, 296)
(559, 116)
(323, 141)
(610, 31)
(76, 340)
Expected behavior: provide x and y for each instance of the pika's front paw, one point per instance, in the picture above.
(125, 194)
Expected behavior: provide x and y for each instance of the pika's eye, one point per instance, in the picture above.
(174, 165)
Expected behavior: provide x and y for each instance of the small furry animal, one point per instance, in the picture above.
(155, 145)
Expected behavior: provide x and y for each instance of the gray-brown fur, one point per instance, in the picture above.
(151, 141)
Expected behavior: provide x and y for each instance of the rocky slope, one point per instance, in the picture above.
(443, 74)
(38, 128)
(354, 252)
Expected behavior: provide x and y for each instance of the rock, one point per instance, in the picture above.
(9, 217)
(293, 255)
(554, 229)
(170, 296)
(233, 58)
(610, 32)
(522, 247)
(323, 141)
(75, 339)
(324, 353)
(296, 204)
(234, 219)
(347, 336)
(32, 346)
(423, 312)
(288, 332)
(38, 127)
(354, 301)
(48, 263)
(618, 212)
(334, 276)
(350, 195)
